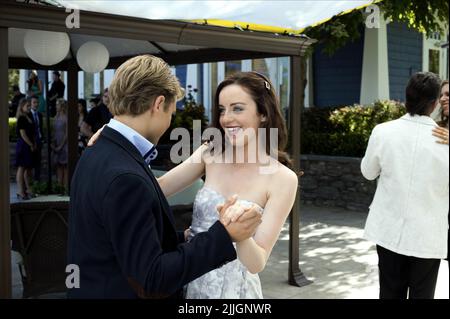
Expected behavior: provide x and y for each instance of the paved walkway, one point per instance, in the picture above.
(333, 255)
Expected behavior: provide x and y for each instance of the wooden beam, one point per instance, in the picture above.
(72, 116)
(296, 276)
(26, 63)
(160, 48)
(199, 56)
(5, 219)
(27, 16)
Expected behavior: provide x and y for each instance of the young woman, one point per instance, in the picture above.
(82, 113)
(59, 146)
(24, 148)
(442, 130)
(35, 88)
(442, 133)
(243, 102)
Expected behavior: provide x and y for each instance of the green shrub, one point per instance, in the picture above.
(12, 122)
(344, 131)
(41, 188)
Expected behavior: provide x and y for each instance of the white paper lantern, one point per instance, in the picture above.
(92, 57)
(45, 47)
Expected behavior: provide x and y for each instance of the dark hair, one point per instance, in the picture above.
(444, 119)
(15, 88)
(56, 73)
(267, 104)
(83, 105)
(422, 92)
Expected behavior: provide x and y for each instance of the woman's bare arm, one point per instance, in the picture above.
(254, 252)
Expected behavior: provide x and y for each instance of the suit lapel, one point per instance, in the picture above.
(117, 138)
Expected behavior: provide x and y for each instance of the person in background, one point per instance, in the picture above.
(408, 216)
(56, 92)
(15, 100)
(93, 102)
(35, 88)
(24, 148)
(59, 145)
(441, 132)
(38, 137)
(97, 117)
(82, 113)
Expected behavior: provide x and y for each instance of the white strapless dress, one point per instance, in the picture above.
(232, 280)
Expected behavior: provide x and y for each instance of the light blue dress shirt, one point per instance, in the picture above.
(144, 146)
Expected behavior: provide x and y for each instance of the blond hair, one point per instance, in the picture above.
(20, 112)
(138, 82)
(62, 104)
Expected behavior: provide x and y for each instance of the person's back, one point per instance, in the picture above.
(88, 235)
(412, 158)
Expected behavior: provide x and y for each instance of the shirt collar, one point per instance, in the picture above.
(144, 146)
(422, 119)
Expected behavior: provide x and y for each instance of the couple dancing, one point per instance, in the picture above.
(121, 230)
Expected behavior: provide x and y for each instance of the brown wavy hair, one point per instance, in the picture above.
(444, 119)
(261, 90)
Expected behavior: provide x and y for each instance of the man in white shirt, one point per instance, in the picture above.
(408, 215)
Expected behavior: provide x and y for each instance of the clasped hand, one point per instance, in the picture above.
(240, 221)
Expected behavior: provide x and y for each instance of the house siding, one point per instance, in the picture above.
(404, 57)
(337, 79)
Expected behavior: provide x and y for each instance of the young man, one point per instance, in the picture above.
(56, 92)
(121, 230)
(97, 116)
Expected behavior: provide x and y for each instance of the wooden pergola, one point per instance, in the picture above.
(174, 41)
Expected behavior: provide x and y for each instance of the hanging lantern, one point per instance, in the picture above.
(45, 47)
(92, 57)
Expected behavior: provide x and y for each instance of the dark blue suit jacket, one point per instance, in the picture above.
(121, 229)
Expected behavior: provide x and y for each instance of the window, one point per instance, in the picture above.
(433, 61)
(88, 85)
(260, 66)
(232, 67)
(214, 81)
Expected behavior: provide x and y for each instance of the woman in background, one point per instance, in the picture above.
(82, 113)
(35, 88)
(25, 146)
(59, 145)
(442, 133)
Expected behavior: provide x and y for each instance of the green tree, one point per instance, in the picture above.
(13, 79)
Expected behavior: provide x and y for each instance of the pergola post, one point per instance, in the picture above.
(72, 116)
(296, 276)
(5, 218)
